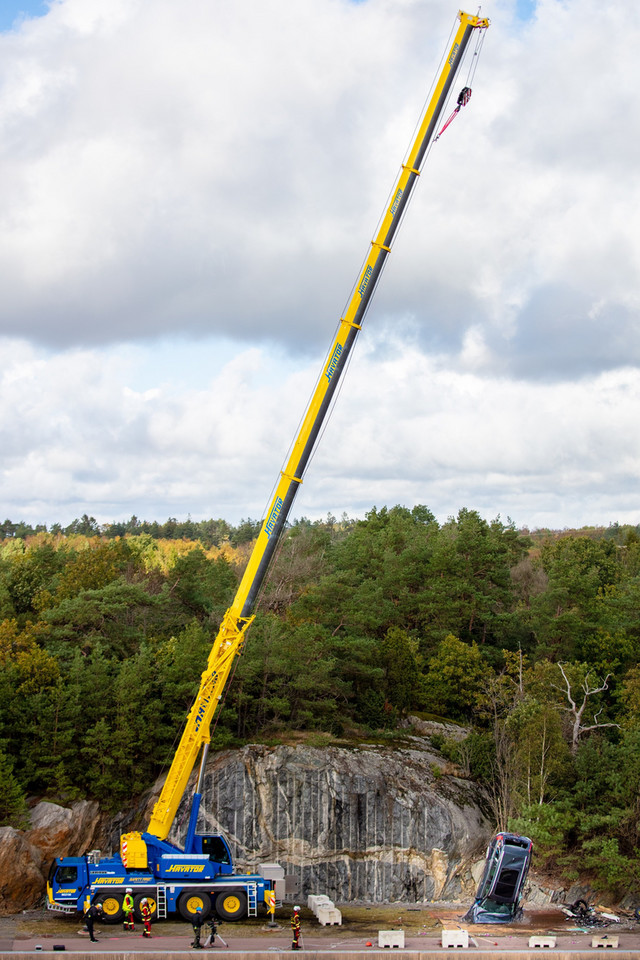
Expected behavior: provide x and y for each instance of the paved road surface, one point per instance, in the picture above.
(36, 932)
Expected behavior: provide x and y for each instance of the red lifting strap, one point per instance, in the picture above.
(463, 99)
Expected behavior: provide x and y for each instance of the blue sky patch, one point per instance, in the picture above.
(525, 9)
(12, 11)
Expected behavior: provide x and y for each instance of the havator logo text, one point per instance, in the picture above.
(454, 54)
(333, 363)
(396, 201)
(201, 712)
(273, 516)
(365, 280)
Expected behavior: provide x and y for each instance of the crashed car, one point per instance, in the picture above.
(500, 889)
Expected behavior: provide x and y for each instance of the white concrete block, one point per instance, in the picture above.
(542, 941)
(316, 900)
(455, 938)
(329, 916)
(605, 941)
(391, 938)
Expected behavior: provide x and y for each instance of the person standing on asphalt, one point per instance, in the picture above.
(127, 906)
(145, 910)
(93, 913)
(295, 929)
(197, 929)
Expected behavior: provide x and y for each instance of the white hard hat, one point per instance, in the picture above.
(128, 890)
(296, 908)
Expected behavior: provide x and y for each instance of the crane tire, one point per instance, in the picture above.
(153, 906)
(231, 904)
(111, 903)
(189, 902)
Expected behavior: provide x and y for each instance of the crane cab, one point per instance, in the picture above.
(206, 857)
(216, 848)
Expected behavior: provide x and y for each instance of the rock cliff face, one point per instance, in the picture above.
(25, 856)
(21, 879)
(370, 823)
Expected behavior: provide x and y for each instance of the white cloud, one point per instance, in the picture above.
(187, 193)
(406, 429)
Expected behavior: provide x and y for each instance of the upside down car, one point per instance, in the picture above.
(505, 872)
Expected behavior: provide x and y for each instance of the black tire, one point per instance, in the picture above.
(190, 901)
(153, 906)
(231, 905)
(111, 903)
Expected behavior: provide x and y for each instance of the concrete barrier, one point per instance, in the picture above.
(455, 938)
(329, 916)
(542, 941)
(391, 938)
(315, 900)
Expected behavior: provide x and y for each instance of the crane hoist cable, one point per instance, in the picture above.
(465, 94)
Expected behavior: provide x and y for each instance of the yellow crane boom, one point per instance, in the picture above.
(236, 620)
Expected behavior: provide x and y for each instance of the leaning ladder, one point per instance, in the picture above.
(252, 899)
(162, 902)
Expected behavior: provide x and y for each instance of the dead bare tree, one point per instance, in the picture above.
(577, 710)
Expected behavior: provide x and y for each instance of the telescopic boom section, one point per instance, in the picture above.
(239, 615)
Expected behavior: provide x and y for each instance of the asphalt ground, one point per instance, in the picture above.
(34, 932)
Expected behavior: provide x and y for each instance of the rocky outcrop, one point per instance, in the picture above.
(64, 831)
(21, 879)
(25, 856)
(369, 823)
(427, 728)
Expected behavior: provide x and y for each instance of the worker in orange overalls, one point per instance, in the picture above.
(295, 928)
(145, 910)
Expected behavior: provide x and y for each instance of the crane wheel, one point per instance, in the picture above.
(153, 906)
(189, 903)
(231, 905)
(112, 911)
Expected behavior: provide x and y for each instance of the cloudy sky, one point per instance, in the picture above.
(187, 192)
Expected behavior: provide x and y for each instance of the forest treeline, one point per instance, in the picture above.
(210, 533)
(531, 641)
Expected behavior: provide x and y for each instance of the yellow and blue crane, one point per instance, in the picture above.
(201, 875)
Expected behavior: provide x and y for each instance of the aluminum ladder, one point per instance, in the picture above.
(161, 902)
(252, 899)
